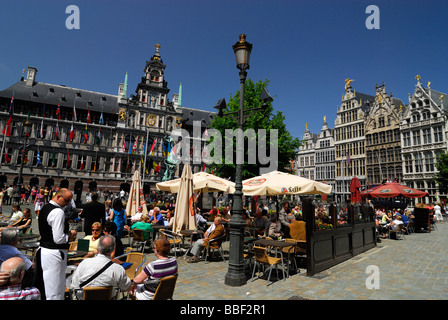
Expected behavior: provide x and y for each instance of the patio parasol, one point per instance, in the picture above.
(393, 189)
(355, 195)
(202, 181)
(281, 183)
(184, 217)
(136, 197)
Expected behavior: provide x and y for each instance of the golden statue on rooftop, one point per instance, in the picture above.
(347, 83)
(417, 77)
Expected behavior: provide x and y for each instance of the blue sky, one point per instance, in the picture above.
(305, 48)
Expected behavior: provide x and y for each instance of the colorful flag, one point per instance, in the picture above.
(124, 146)
(11, 105)
(156, 166)
(134, 148)
(7, 128)
(58, 110)
(98, 137)
(101, 121)
(7, 158)
(88, 115)
(153, 146)
(82, 163)
(72, 133)
(86, 135)
(38, 159)
(42, 129)
(56, 131)
(143, 164)
(94, 165)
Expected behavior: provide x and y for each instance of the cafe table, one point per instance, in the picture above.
(27, 237)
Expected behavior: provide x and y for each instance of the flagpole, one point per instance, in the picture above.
(146, 152)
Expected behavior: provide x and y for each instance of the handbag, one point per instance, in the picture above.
(151, 284)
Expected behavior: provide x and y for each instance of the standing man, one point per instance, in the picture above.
(51, 256)
(93, 212)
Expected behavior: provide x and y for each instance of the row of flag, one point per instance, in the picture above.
(166, 149)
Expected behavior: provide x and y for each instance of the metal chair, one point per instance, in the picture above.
(215, 244)
(262, 258)
(399, 232)
(291, 254)
(173, 238)
(138, 239)
(166, 287)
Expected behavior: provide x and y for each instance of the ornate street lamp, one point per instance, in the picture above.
(27, 126)
(235, 275)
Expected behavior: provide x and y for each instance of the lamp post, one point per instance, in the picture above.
(235, 275)
(26, 131)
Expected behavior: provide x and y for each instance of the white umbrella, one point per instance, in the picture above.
(184, 216)
(281, 183)
(202, 181)
(136, 197)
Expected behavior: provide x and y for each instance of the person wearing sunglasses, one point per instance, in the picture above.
(97, 232)
(51, 256)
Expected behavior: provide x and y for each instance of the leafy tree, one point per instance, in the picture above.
(263, 119)
(442, 175)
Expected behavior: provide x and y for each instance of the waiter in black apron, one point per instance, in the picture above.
(51, 256)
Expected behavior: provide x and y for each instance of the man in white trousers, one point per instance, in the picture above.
(51, 257)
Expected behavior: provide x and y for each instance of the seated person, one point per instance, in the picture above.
(214, 231)
(138, 215)
(13, 289)
(170, 218)
(144, 225)
(260, 221)
(157, 217)
(396, 222)
(111, 228)
(164, 266)
(16, 214)
(24, 223)
(114, 275)
(8, 248)
(273, 230)
(97, 231)
(405, 219)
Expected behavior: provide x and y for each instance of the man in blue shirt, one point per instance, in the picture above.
(156, 217)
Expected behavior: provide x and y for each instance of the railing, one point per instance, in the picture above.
(337, 234)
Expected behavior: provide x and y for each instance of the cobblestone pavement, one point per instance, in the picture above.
(412, 269)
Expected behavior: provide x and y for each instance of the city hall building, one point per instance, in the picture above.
(92, 140)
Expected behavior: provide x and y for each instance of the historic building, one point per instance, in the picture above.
(324, 156)
(383, 143)
(423, 130)
(85, 139)
(349, 141)
(306, 155)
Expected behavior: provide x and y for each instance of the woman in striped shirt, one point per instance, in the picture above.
(164, 266)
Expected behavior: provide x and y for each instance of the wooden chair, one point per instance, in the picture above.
(138, 239)
(262, 258)
(173, 238)
(166, 287)
(97, 293)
